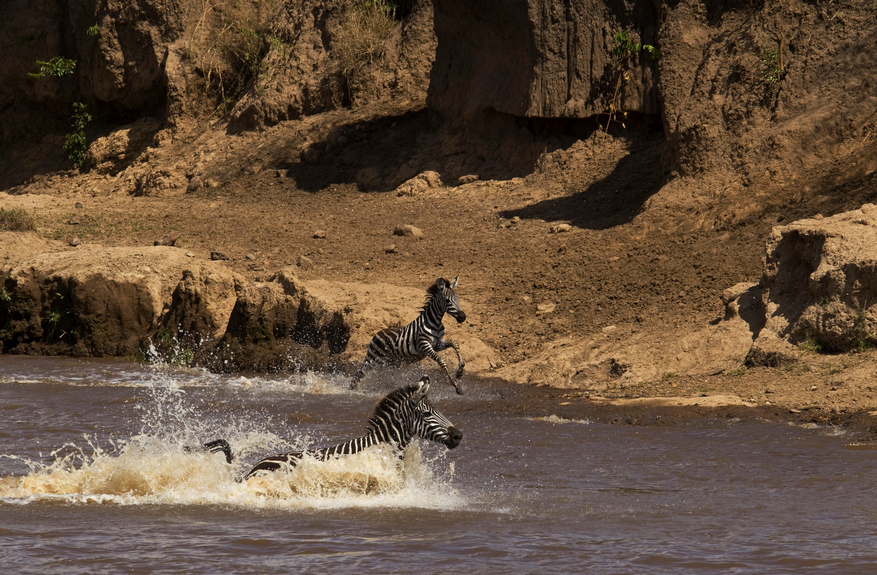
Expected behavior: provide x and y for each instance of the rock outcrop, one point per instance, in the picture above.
(760, 94)
(768, 91)
(540, 58)
(325, 54)
(94, 301)
(110, 301)
(819, 287)
(817, 292)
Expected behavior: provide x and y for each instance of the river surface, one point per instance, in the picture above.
(95, 477)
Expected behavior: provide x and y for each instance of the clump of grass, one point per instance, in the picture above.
(167, 349)
(228, 44)
(810, 345)
(863, 338)
(363, 32)
(772, 69)
(16, 220)
(736, 372)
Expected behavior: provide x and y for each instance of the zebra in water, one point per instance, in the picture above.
(421, 338)
(401, 416)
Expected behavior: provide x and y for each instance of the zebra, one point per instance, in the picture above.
(399, 417)
(421, 338)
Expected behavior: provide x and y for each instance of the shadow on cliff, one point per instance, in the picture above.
(610, 201)
(380, 153)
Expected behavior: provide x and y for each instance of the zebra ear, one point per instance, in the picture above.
(454, 283)
(422, 387)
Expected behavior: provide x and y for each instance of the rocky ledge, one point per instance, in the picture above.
(126, 301)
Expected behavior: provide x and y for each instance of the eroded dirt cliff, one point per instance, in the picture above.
(590, 260)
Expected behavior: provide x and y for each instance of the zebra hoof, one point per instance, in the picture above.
(459, 373)
(459, 389)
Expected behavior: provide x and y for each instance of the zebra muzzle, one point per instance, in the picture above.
(455, 436)
(460, 317)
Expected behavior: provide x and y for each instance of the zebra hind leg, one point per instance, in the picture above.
(220, 445)
(453, 381)
(445, 344)
(460, 363)
(354, 384)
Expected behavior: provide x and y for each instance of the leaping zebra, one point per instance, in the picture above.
(399, 417)
(421, 338)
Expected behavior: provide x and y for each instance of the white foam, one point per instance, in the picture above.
(556, 419)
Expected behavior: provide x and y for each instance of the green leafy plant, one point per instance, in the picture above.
(93, 30)
(16, 220)
(772, 69)
(167, 349)
(624, 50)
(57, 67)
(59, 309)
(625, 47)
(75, 143)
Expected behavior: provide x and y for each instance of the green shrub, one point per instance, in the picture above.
(75, 143)
(624, 50)
(810, 345)
(772, 69)
(57, 67)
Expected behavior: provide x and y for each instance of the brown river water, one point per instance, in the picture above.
(95, 478)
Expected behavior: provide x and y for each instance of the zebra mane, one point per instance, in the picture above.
(390, 401)
(432, 291)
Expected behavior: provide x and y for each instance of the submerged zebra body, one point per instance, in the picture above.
(401, 416)
(423, 337)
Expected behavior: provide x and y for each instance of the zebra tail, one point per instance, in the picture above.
(220, 445)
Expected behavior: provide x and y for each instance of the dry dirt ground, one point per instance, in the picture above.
(622, 267)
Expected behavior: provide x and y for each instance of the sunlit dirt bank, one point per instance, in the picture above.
(712, 243)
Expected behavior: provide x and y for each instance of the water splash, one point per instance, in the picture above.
(164, 463)
(147, 470)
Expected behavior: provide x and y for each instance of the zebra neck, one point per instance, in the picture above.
(432, 314)
(359, 444)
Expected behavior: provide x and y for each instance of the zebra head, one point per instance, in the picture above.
(407, 412)
(446, 290)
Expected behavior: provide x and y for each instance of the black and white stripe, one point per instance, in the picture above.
(402, 415)
(421, 338)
